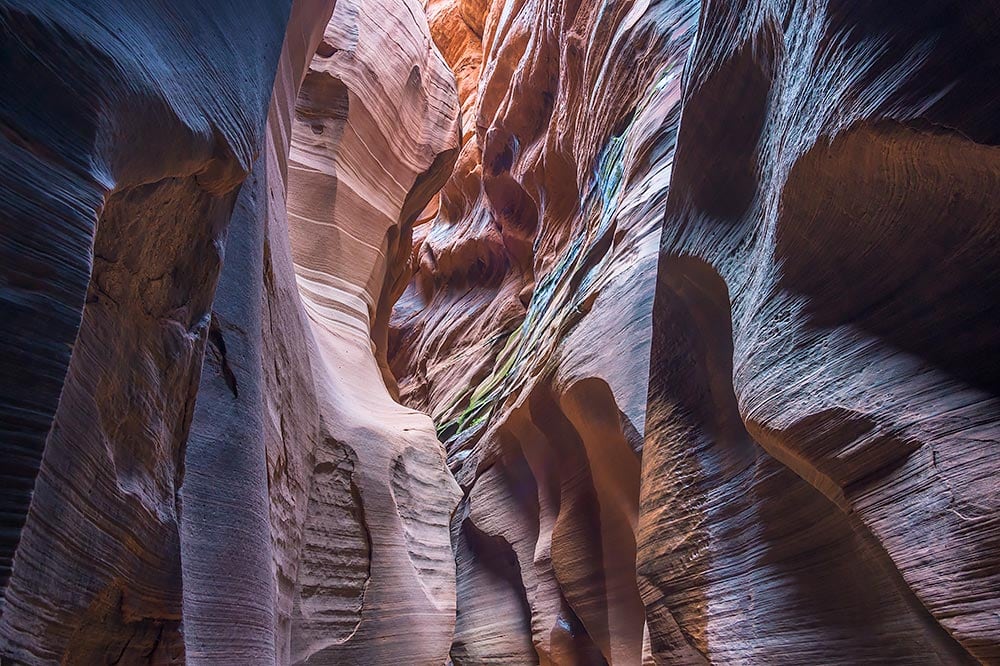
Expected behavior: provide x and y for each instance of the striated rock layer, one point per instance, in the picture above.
(272, 504)
(525, 331)
(811, 475)
(820, 472)
(533, 332)
(374, 135)
(127, 131)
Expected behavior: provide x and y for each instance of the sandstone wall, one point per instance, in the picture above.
(525, 331)
(521, 332)
(127, 131)
(823, 417)
(374, 136)
(259, 509)
(811, 475)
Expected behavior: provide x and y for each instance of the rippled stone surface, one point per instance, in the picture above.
(810, 477)
(216, 464)
(120, 172)
(475, 332)
(525, 331)
(818, 448)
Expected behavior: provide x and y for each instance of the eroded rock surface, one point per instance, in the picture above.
(342, 185)
(374, 135)
(821, 433)
(525, 331)
(119, 174)
(241, 512)
(366, 332)
(812, 476)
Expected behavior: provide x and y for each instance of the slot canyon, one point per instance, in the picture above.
(500, 332)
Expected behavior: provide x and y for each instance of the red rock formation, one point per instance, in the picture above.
(705, 329)
(817, 483)
(127, 130)
(282, 507)
(823, 395)
(525, 332)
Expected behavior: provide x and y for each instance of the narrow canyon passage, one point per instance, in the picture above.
(555, 332)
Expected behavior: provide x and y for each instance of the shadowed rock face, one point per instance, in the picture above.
(361, 332)
(127, 131)
(831, 455)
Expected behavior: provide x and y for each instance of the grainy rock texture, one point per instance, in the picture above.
(526, 329)
(821, 460)
(127, 131)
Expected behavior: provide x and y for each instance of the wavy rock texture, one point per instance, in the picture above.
(374, 135)
(812, 476)
(528, 332)
(240, 541)
(250, 511)
(127, 131)
(525, 331)
(362, 567)
(820, 472)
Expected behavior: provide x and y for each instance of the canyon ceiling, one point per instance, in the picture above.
(500, 332)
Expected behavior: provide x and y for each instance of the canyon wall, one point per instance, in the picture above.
(820, 465)
(204, 475)
(521, 332)
(525, 331)
(127, 132)
(811, 477)
(374, 136)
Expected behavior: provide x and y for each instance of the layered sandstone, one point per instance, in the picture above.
(811, 478)
(127, 131)
(277, 505)
(374, 136)
(526, 329)
(366, 332)
(823, 411)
